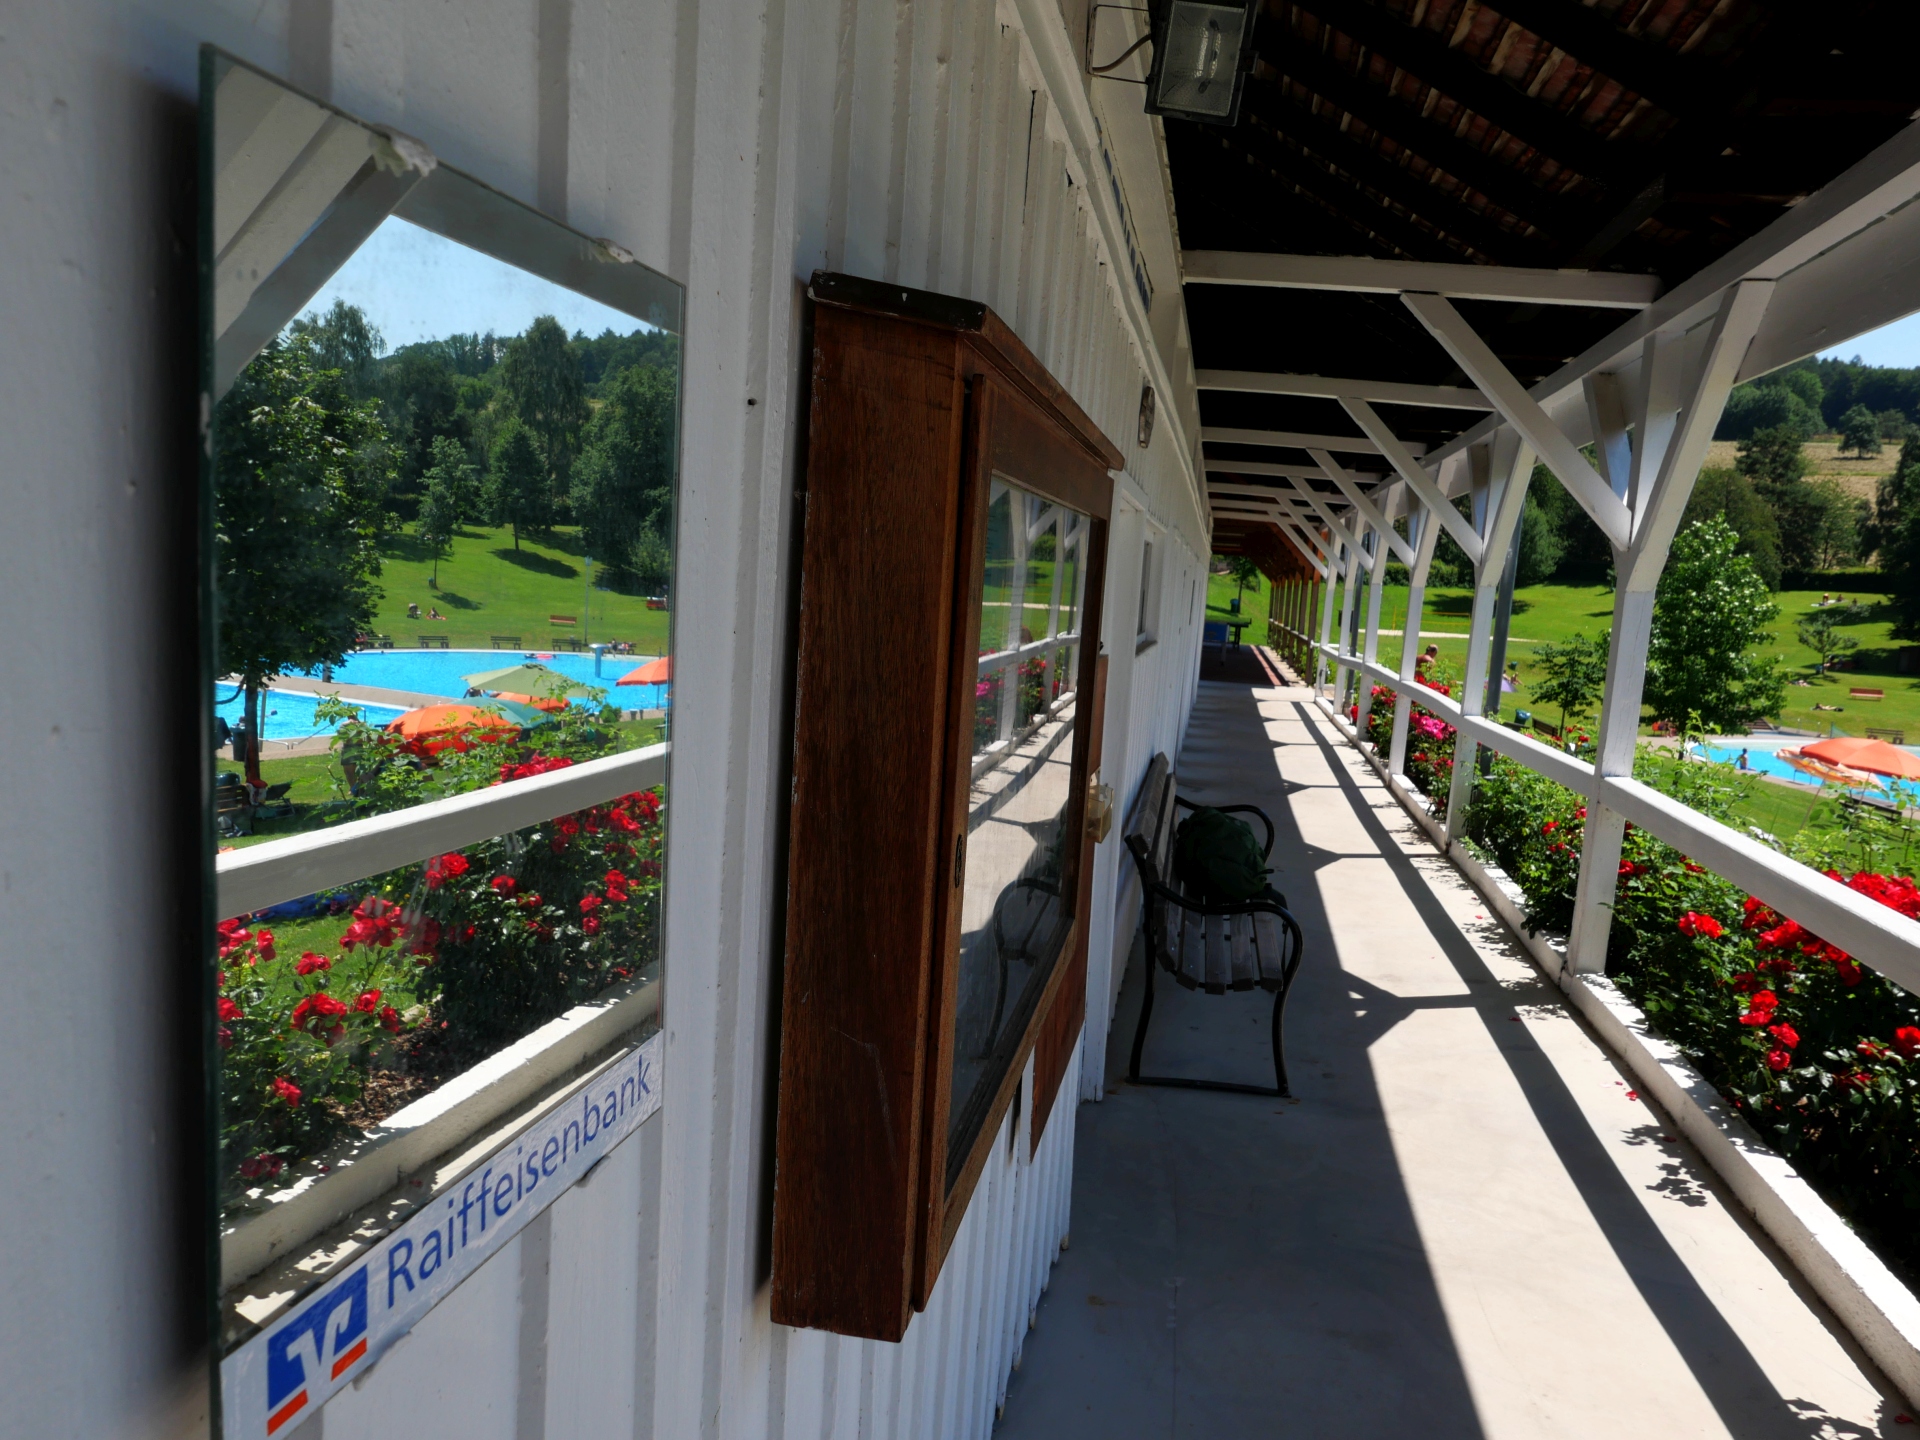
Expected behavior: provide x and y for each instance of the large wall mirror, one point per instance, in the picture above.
(441, 461)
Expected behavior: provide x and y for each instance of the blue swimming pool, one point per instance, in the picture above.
(288, 715)
(439, 672)
(1762, 760)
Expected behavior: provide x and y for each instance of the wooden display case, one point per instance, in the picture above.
(945, 733)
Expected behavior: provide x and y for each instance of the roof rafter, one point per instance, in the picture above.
(1297, 440)
(1325, 387)
(1592, 288)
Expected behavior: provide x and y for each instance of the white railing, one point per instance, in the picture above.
(1872, 933)
(278, 870)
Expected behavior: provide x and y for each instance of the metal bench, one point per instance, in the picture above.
(1205, 946)
(433, 642)
(506, 642)
(1892, 737)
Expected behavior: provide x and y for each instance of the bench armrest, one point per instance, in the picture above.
(1235, 810)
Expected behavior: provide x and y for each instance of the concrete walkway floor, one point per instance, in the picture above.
(1465, 1225)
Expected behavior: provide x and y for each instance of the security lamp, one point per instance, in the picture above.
(1201, 55)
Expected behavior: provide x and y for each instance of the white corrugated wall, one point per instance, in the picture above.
(736, 146)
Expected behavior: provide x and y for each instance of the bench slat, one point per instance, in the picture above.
(1270, 945)
(1246, 960)
(1219, 954)
(1192, 951)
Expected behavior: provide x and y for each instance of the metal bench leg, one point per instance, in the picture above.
(1279, 1047)
(1140, 1030)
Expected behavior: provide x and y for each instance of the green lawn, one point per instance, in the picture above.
(488, 588)
(1548, 613)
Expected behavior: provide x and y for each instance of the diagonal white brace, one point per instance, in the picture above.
(1341, 532)
(1523, 412)
(1351, 489)
(1418, 481)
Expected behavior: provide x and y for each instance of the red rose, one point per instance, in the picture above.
(589, 904)
(1785, 1034)
(286, 1090)
(229, 1010)
(1704, 926)
(390, 1018)
(590, 925)
(502, 884)
(310, 962)
(312, 1013)
(367, 1001)
(1907, 1041)
(1778, 1059)
(263, 1165)
(443, 868)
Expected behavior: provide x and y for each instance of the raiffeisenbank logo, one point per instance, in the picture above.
(316, 1348)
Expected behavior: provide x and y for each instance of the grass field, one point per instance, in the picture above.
(1553, 613)
(488, 588)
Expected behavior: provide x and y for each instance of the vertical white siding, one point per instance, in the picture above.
(737, 146)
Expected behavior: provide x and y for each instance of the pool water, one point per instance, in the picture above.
(439, 672)
(288, 714)
(1763, 761)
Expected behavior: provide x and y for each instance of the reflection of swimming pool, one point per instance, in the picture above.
(1761, 760)
(438, 672)
(288, 714)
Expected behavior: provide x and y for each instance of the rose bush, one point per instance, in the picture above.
(1819, 1053)
(438, 963)
(1429, 762)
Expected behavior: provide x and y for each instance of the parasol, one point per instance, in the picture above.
(1825, 771)
(527, 680)
(654, 672)
(1860, 754)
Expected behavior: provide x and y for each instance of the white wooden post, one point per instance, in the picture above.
(1668, 445)
(1370, 636)
(1510, 465)
(1348, 595)
(1336, 551)
(1426, 530)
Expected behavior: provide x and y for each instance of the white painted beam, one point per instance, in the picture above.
(1348, 486)
(1268, 467)
(1298, 440)
(1389, 277)
(1523, 412)
(1417, 479)
(1326, 387)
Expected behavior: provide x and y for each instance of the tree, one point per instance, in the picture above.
(1772, 457)
(298, 517)
(1896, 526)
(518, 493)
(422, 405)
(1733, 498)
(623, 481)
(1819, 633)
(345, 341)
(1541, 544)
(1860, 431)
(1246, 576)
(448, 500)
(542, 380)
(1576, 674)
(1711, 610)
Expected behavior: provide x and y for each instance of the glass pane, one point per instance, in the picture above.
(443, 491)
(1014, 912)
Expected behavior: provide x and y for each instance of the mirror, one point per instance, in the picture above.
(440, 499)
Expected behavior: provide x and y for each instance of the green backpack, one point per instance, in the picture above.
(1216, 858)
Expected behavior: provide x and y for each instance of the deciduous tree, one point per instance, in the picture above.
(1711, 611)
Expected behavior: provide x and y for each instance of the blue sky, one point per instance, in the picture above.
(415, 285)
(1895, 344)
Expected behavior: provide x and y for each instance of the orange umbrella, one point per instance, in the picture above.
(1825, 771)
(654, 672)
(550, 704)
(1874, 755)
(434, 728)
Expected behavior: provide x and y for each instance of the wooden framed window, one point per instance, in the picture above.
(945, 732)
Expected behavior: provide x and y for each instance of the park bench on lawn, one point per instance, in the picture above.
(565, 642)
(1206, 946)
(506, 642)
(563, 620)
(1892, 737)
(433, 642)
(1858, 692)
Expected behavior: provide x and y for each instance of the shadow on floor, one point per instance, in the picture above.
(1245, 1267)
